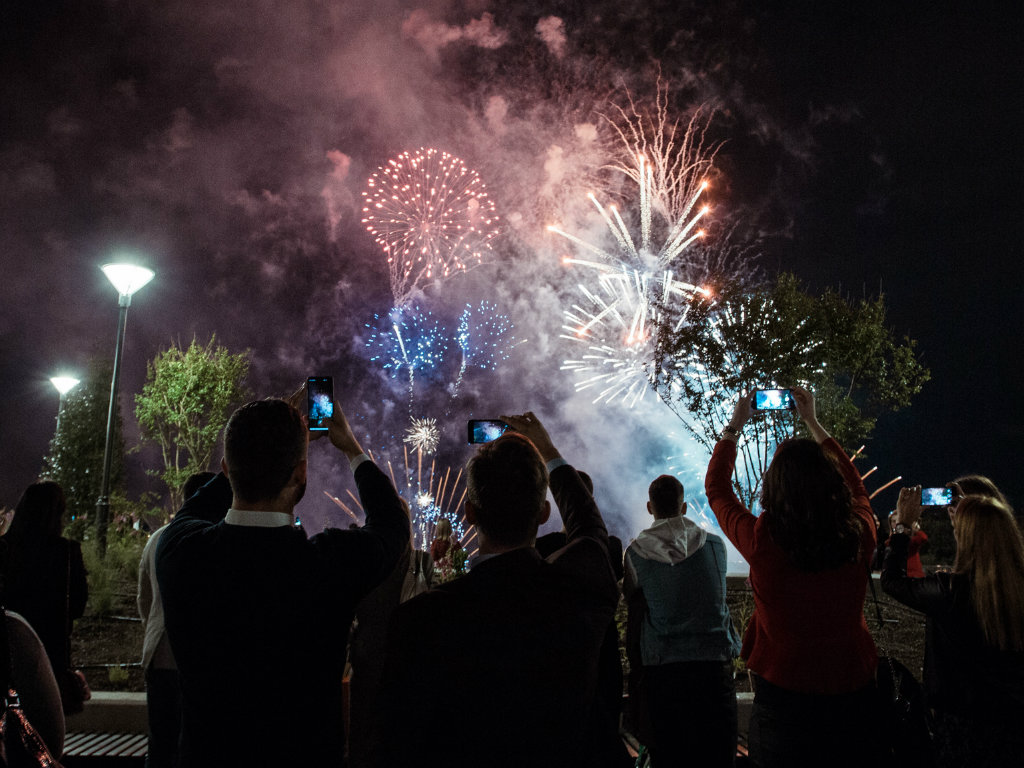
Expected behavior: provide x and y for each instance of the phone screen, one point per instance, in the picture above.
(320, 398)
(936, 497)
(485, 430)
(773, 400)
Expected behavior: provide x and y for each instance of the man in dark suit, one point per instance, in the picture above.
(257, 613)
(499, 667)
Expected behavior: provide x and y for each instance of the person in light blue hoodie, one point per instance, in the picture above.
(680, 637)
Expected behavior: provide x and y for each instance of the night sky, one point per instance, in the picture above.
(868, 147)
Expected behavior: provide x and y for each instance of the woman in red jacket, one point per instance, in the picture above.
(807, 643)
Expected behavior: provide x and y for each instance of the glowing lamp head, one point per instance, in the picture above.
(127, 278)
(64, 384)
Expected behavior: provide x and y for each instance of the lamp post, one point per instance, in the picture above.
(127, 279)
(63, 385)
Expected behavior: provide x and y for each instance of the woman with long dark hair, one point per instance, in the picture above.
(807, 643)
(974, 631)
(46, 579)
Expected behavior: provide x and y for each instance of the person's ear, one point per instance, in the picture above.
(650, 509)
(299, 474)
(224, 468)
(682, 509)
(545, 513)
(469, 512)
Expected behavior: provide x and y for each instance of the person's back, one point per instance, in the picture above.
(685, 641)
(507, 654)
(258, 614)
(807, 644)
(687, 619)
(46, 581)
(264, 638)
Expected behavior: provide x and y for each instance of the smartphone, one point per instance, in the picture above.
(320, 399)
(936, 497)
(773, 400)
(485, 430)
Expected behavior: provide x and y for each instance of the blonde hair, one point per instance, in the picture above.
(990, 552)
(443, 529)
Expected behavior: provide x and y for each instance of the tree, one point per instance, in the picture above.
(75, 458)
(186, 400)
(739, 339)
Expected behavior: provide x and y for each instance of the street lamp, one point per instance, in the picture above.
(63, 385)
(127, 279)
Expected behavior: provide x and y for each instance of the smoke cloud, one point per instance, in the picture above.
(228, 148)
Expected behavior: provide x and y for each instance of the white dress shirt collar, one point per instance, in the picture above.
(255, 518)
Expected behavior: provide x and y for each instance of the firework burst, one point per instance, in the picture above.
(432, 493)
(618, 314)
(431, 215)
(616, 321)
(484, 337)
(407, 340)
(423, 435)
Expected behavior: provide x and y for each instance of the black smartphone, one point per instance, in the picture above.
(485, 430)
(936, 497)
(773, 400)
(320, 400)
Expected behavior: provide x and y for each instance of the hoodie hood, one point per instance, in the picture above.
(670, 541)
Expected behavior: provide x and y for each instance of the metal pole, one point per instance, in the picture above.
(60, 409)
(103, 503)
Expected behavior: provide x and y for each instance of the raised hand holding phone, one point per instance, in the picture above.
(530, 427)
(773, 400)
(804, 403)
(341, 435)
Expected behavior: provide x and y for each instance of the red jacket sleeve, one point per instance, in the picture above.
(734, 519)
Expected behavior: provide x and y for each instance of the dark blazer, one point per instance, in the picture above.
(499, 667)
(258, 620)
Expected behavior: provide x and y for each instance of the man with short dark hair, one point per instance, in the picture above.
(680, 637)
(257, 614)
(507, 654)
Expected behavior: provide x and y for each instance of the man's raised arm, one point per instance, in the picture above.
(575, 503)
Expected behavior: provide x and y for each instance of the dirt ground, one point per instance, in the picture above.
(109, 650)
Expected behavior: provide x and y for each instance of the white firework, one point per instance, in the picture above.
(423, 435)
(618, 315)
(431, 215)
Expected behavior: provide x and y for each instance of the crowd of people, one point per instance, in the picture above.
(512, 658)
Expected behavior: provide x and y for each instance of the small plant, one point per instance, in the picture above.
(117, 676)
(116, 575)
